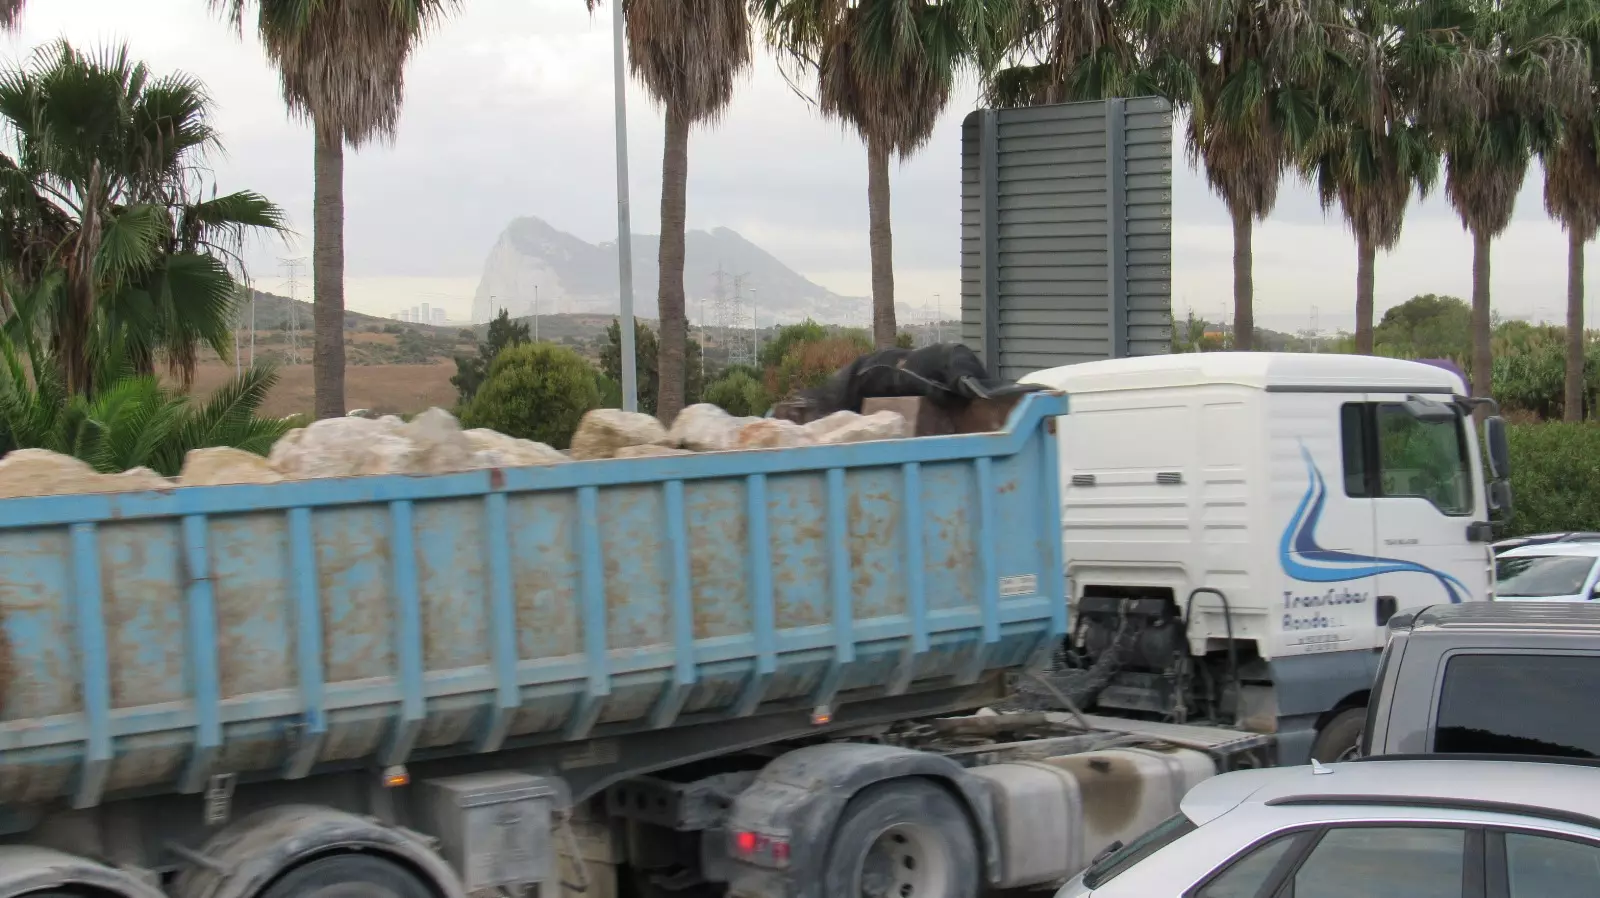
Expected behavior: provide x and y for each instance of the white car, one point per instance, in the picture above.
(1552, 572)
(1403, 828)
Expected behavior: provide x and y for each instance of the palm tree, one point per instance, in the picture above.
(342, 68)
(1388, 61)
(1254, 64)
(689, 54)
(99, 226)
(1055, 52)
(1528, 74)
(1572, 197)
(885, 68)
(11, 14)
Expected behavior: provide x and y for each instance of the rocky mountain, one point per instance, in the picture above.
(534, 260)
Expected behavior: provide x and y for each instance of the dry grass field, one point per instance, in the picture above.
(389, 389)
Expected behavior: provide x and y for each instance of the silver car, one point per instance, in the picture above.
(1404, 828)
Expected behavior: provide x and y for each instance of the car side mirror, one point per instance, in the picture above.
(1494, 437)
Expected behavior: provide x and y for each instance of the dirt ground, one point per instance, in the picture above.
(387, 389)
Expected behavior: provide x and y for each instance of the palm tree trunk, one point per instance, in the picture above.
(1575, 353)
(1244, 287)
(327, 274)
(1366, 259)
(674, 326)
(76, 324)
(1482, 359)
(884, 330)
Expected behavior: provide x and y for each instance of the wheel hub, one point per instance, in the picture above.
(904, 862)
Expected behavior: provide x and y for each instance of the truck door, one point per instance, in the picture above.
(1425, 495)
(1327, 536)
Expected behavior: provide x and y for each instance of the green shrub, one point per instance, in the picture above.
(810, 364)
(738, 393)
(787, 338)
(1555, 477)
(536, 391)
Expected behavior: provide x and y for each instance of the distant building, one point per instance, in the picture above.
(438, 317)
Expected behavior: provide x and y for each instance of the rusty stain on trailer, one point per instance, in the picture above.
(719, 549)
(142, 577)
(636, 555)
(545, 574)
(798, 536)
(353, 578)
(250, 577)
(452, 578)
(46, 675)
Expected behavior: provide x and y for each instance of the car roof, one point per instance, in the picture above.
(1260, 370)
(1503, 617)
(1589, 549)
(1539, 788)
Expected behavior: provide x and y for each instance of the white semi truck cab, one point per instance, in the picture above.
(1240, 527)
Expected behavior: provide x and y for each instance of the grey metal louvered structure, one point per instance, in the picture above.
(1066, 233)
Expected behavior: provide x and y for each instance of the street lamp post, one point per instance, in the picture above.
(630, 376)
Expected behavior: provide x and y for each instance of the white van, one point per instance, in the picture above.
(1249, 522)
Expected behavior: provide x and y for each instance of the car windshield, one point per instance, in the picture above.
(1541, 576)
(1114, 862)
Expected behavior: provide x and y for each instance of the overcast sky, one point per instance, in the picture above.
(509, 112)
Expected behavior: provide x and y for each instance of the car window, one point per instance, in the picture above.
(1519, 704)
(1545, 867)
(1541, 576)
(1245, 877)
(1382, 862)
(1163, 834)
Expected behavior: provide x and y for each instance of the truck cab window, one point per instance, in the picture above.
(1390, 454)
(1423, 459)
(1518, 704)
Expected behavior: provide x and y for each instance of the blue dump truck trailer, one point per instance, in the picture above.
(754, 673)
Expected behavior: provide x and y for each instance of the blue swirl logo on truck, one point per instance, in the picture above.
(1308, 562)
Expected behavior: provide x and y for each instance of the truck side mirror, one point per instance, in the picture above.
(1494, 437)
(1500, 499)
(1427, 410)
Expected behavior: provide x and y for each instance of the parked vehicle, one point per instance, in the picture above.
(1549, 572)
(1541, 539)
(1497, 678)
(1240, 527)
(429, 686)
(1420, 828)
(751, 671)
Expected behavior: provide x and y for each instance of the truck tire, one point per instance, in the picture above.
(348, 876)
(1341, 738)
(903, 839)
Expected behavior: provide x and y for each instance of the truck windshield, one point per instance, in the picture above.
(1519, 704)
(1541, 576)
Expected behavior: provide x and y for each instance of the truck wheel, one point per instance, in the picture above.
(1340, 740)
(903, 839)
(349, 876)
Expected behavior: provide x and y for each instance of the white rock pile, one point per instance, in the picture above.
(434, 443)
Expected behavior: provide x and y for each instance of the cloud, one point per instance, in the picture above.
(509, 112)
